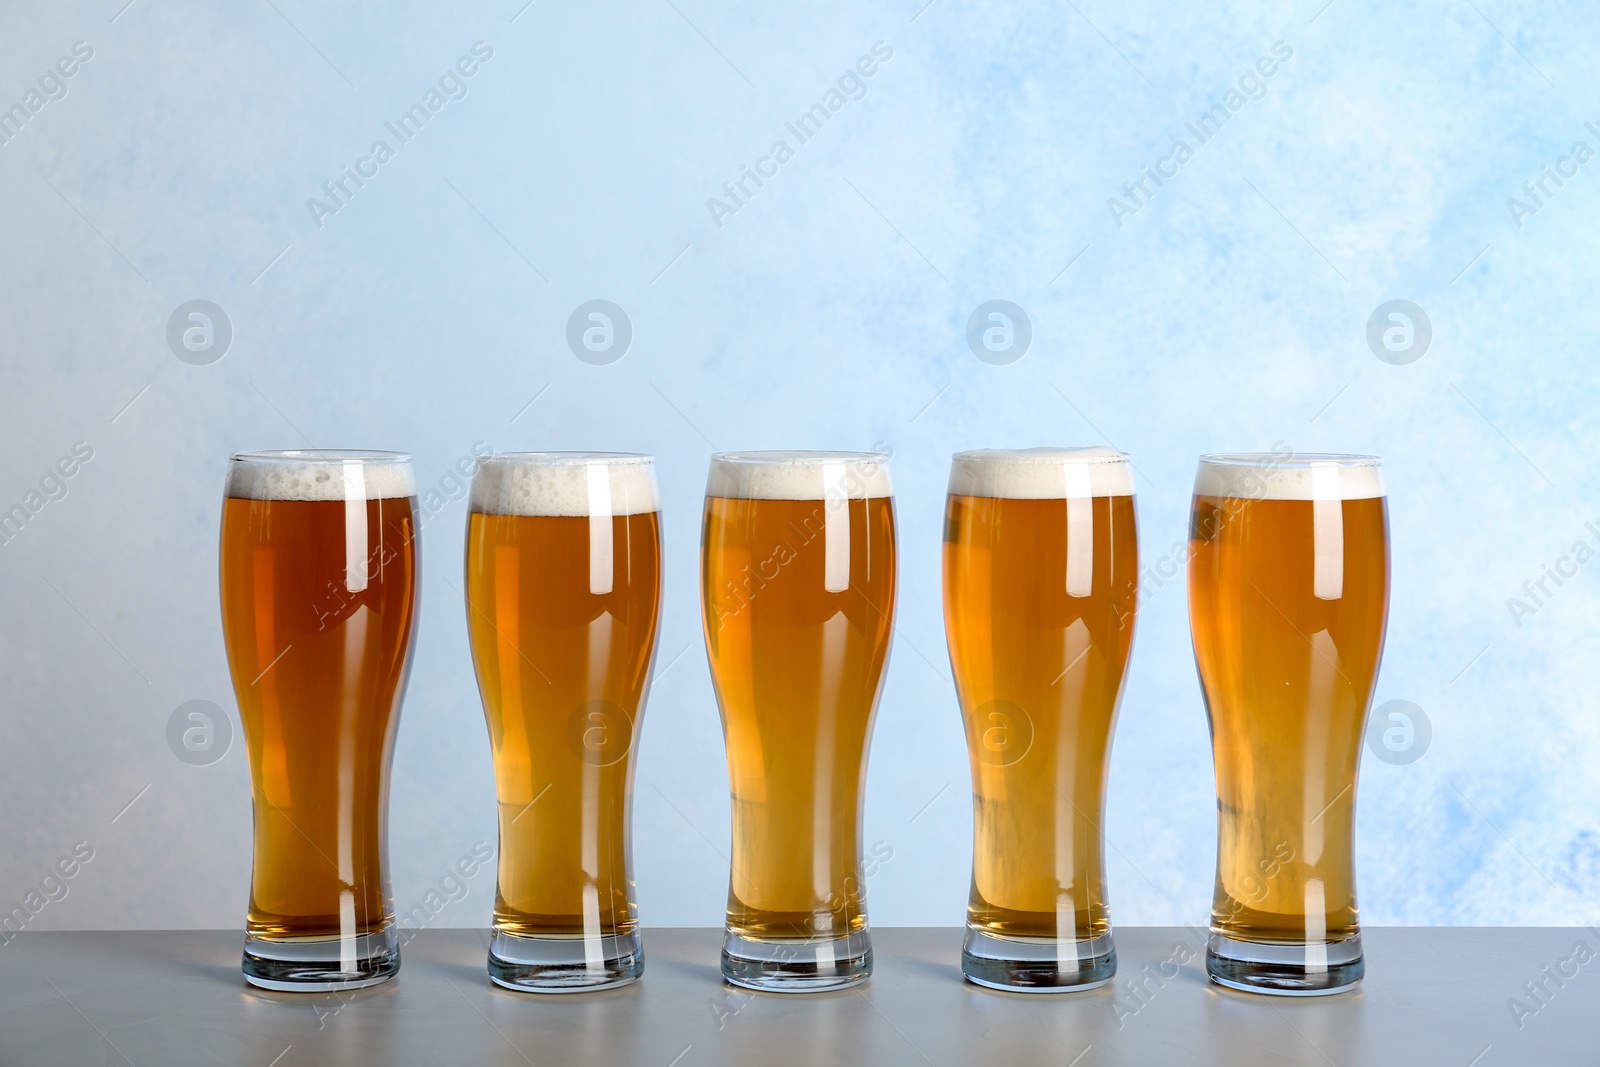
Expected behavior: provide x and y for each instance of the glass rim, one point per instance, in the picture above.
(1042, 456)
(566, 457)
(798, 455)
(319, 455)
(1293, 459)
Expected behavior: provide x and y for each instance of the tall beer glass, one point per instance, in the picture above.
(319, 584)
(797, 592)
(563, 601)
(1288, 599)
(1041, 565)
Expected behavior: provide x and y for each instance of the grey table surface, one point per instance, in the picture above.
(1432, 996)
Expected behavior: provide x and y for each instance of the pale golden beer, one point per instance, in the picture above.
(563, 589)
(318, 582)
(1288, 600)
(798, 595)
(1041, 564)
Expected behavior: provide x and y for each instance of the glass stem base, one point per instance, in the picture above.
(1288, 970)
(322, 965)
(797, 966)
(574, 964)
(1038, 964)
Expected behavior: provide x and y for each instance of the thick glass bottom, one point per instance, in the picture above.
(575, 964)
(1039, 964)
(1286, 970)
(321, 965)
(797, 966)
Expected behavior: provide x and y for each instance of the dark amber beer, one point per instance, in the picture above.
(1288, 600)
(1041, 563)
(798, 584)
(563, 600)
(318, 582)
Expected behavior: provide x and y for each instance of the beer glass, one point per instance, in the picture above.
(319, 584)
(1041, 565)
(563, 590)
(1288, 599)
(797, 594)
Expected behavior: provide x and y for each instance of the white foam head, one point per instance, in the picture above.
(1289, 476)
(336, 474)
(565, 483)
(1041, 473)
(799, 475)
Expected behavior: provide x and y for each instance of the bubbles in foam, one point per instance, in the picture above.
(799, 475)
(320, 476)
(1273, 476)
(1041, 473)
(559, 484)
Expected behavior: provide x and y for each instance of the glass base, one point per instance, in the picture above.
(574, 964)
(795, 966)
(1037, 965)
(322, 965)
(1286, 970)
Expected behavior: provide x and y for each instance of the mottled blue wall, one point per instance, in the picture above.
(1225, 309)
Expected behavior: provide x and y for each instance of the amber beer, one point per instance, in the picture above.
(563, 589)
(1041, 563)
(318, 583)
(1288, 599)
(798, 584)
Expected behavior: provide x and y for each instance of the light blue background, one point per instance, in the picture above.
(830, 311)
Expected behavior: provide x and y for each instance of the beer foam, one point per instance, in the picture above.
(311, 475)
(1041, 473)
(799, 475)
(1271, 476)
(559, 484)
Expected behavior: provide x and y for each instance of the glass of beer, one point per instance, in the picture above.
(563, 600)
(797, 593)
(319, 588)
(1041, 566)
(1288, 599)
